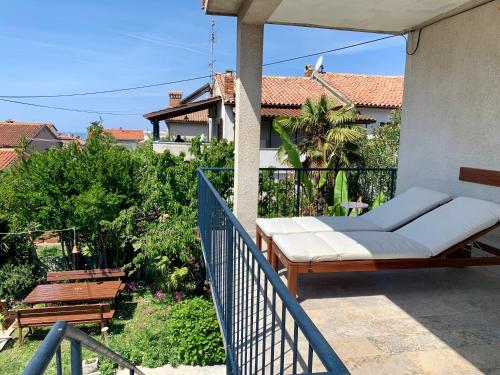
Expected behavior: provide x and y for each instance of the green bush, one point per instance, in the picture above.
(186, 332)
(16, 281)
(192, 334)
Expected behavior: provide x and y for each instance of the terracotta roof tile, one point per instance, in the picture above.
(11, 132)
(70, 138)
(126, 134)
(7, 157)
(291, 111)
(200, 116)
(284, 91)
(367, 90)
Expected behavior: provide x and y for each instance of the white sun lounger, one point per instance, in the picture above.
(436, 239)
(386, 218)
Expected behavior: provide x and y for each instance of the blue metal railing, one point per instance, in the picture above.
(264, 328)
(283, 191)
(51, 346)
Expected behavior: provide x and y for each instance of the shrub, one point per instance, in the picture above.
(16, 281)
(192, 334)
(182, 333)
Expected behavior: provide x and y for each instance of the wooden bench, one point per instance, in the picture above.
(96, 274)
(47, 316)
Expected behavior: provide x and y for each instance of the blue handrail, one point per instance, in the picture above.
(241, 279)
(51, 346)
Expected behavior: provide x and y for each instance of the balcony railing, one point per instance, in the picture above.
(51, 346)
(287, 192)
(264, 328)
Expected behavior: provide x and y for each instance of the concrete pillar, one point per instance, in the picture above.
(247, 123)
(156, 130)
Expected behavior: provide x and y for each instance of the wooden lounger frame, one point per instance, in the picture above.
(456, 256)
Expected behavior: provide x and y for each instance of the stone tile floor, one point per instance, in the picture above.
(440, 321)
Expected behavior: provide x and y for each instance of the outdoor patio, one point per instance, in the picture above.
(442, 321)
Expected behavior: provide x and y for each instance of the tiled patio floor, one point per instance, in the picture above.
(441, 321)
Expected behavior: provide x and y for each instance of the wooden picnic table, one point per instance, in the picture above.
(96, 274)
(74, 292)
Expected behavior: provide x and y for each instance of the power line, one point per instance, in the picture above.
(194, 78)
(105, 91)
(71, 109)
(8, 98)
(330, 50)
(40, 231)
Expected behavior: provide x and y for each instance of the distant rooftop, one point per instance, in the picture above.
(7, 157)
(11, 132)
(126, 134)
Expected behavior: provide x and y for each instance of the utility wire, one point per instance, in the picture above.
(330, 50)
(105, 91)
(41, 231)
(8, 98)
(71, 109)
(193, 78)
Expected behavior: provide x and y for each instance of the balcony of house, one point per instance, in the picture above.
(416, 321)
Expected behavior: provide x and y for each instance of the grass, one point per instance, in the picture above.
(49, 251)
(133, 311)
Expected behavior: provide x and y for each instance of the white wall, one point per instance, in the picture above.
(187, 130)
(378, 114)
(227, 114)
(268, 159)
(131, 145)
(451, 107)
(175, 148)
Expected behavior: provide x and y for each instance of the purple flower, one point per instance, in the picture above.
(131, 286)
(177, 296)
(159, 294)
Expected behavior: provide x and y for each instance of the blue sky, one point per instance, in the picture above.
(55, 46)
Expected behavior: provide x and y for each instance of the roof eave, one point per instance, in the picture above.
(165, 114)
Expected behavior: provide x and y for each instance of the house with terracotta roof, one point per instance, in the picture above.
(374, 96)
(126, 137)
(69, 138)
(39, 137)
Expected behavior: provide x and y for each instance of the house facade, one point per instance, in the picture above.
(128, 138)
(374, 96)
(38, 136)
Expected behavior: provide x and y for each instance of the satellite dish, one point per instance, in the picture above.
(318, 67)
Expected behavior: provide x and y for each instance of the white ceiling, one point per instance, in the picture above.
(391, 16)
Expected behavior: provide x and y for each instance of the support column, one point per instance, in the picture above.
(247, 123)
(156, 130)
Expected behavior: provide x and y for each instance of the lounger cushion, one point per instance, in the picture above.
(305, 247)
(334, 223)
(279, 225)
(452, 223)
(391, 215)
(373, 245)
(337, 246)
(405, 207)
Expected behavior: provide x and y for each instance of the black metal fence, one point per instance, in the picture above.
(264, 328)
(300, 192)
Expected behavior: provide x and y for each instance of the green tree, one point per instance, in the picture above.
(327, 134)
(381, 148)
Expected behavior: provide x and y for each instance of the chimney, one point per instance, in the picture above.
(175, 98)
(308, 70)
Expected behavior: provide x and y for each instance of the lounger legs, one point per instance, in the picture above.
(292, 280)
(258, 238)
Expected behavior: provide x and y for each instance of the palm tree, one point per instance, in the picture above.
(328, 138)
(327, 134)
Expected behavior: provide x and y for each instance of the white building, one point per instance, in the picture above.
(214, 117)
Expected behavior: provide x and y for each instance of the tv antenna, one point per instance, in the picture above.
(318, 67)
(211, 64)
